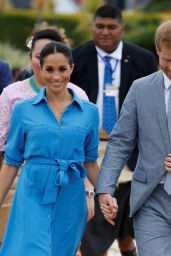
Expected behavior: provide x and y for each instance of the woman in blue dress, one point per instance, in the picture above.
(54, 136)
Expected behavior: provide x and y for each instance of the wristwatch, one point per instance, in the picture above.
(90, 194)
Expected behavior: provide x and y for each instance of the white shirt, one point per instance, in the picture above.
(167, 83)
(116, 55)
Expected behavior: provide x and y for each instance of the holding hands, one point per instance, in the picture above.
(109, 207)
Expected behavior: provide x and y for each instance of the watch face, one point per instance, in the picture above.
(90, 193)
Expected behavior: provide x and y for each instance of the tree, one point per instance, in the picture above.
(23, 4)
(91, 6)
(43, 5)
(119, 3)
(158, 5)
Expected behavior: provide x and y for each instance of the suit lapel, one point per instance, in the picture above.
(159, 103)
(92, 70)
(125, 71)
(125, 64)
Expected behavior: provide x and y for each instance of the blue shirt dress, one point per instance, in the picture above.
(49, 211)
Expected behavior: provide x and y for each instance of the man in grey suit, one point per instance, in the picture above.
(144, 119)
(129, 62)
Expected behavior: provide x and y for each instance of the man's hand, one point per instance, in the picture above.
(167, 163)
(109, 207)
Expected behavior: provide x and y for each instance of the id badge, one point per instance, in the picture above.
(111, 91)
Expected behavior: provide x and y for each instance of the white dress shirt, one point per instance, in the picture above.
(167, 84)
(116, 55)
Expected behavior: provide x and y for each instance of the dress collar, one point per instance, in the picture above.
(42, 97)
(167, 82)
(116, 54)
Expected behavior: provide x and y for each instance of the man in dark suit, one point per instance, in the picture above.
(127, 63)
(5, 75)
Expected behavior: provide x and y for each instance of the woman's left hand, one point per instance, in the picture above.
(92, 169)
(90, 207)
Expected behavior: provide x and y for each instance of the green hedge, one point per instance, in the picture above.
(157, 6)
(15, 26)
(140, 27)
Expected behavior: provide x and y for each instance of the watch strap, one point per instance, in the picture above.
(90, 193)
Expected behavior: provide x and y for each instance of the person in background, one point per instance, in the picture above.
(146, 119)
(105, 68)
(5, 75)
(15, 72)
(26, 89)
(49, 211)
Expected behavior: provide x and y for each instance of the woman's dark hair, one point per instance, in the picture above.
(108, 11)
(45, 34)
(55, 47)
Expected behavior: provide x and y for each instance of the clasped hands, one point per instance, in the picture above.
(108, 204)
(109, 207)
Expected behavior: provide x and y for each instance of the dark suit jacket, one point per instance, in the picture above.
(5, 75)
(136, 62)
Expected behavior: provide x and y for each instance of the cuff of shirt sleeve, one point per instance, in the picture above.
(12, 163)
(91, 158)
(104, 190)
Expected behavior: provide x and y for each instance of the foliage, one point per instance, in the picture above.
(140, 27)
(16, 58)
(43, 5)
(158, 6)
(91, 6)
(16, 25)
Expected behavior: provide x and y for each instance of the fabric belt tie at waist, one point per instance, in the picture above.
(59, 177)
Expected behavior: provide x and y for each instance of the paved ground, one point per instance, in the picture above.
(113, 251)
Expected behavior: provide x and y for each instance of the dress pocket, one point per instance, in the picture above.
(41, 139)
(75, 137)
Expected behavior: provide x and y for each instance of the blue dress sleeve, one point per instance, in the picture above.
(14, 148)
(92, 139)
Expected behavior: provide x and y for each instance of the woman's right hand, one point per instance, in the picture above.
(7, 176)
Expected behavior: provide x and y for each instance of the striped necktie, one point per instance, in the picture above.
(109, 108)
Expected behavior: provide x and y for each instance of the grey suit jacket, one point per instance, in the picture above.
(143, 120)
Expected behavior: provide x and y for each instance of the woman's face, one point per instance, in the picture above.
(56, 71)
(35, 57)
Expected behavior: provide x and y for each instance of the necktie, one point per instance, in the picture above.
(167, 182)
(109, 108)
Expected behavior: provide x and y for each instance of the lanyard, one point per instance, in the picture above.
(109, 65)
(34, 85)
